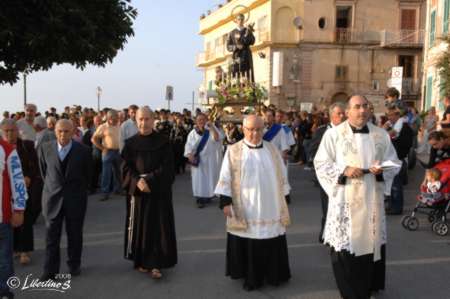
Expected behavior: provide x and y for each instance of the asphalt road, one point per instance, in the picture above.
(418, 262)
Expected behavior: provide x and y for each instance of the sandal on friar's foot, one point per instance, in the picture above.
(156, 274)
(142, 270)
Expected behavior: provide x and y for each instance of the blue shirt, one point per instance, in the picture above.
(64, 150)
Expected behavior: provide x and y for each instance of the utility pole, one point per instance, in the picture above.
(24, 89)
(193, 103)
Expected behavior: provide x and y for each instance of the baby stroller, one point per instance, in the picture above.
(436, 206)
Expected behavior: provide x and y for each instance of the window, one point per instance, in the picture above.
(446, 16)
(429, 92)
(375, 85)
(407, 62)
(341, 72)
(343, 16)
(322, 23)
(343, 24)
(432, 28)
(262, 23)
(408, 25)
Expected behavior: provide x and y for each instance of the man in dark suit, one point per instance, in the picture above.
(66, 168)
(337, 116)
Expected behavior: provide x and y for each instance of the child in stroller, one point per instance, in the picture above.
(433, 200)
(431, 187)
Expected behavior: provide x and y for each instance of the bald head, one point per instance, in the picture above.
(253, 129)
(145, 120)
(64, 130)
(30, 111)
(112, 117)
(145, 110)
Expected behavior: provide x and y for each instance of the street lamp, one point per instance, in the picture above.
(99, 94)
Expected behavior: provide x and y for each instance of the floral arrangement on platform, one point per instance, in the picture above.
(239, 89)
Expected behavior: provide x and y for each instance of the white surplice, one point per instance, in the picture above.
(356, 220)
(259, 191)
(206, 174)
(280, 140)
(290, 140)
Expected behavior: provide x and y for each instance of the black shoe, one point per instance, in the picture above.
(104, 197)
(200, 205)
(75, 271)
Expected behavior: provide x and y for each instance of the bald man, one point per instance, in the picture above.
(252, 188)
(65, 168)
(26, 127)
(150, 240)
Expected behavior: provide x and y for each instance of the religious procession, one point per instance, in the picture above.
(286, 179)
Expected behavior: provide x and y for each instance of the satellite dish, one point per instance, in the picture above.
(298, 22)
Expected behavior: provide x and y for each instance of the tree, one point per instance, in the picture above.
(36, 34)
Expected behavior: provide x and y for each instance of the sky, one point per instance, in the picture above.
(161, 53)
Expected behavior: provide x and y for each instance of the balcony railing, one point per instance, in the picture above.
(402, 38)
(396, 38)
(348, 35)
(410, 86)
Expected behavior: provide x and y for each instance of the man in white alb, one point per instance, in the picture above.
(252, 189)
(204, 151)
(351, 165)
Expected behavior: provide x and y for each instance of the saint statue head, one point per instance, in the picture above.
(253, 126)
(240, 20)
(358, 111)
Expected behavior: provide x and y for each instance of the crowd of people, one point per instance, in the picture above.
(53, 161)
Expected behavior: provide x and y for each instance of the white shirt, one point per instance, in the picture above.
(127, 129)
(280, 140)
(26, 131)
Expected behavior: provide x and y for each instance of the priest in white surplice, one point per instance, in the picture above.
(348, 168)
(252, 189)
(204, 151)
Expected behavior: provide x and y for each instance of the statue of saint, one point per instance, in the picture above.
(239, 42)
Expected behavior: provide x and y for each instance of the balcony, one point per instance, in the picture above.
(411, 86)
(352, 36)
(402, 38)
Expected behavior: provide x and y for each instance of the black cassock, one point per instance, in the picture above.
(242, 58)
(150, 239)
(23, 235)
